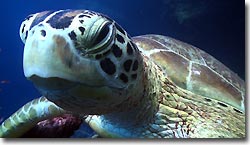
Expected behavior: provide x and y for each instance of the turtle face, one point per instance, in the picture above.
(81, 60)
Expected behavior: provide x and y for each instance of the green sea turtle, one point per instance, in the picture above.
(149, 86)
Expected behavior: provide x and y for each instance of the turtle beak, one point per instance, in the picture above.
(54, 56)
(51, 57)
(52, 84)
(43, 65)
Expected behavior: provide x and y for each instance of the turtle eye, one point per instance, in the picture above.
(102, 34)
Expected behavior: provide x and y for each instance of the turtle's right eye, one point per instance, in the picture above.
(102, 36)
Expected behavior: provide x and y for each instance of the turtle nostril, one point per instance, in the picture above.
(43, 33)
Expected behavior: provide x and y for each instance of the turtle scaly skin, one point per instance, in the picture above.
(168, 111)
(27, 116)
(148, 86)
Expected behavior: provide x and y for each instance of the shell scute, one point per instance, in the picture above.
(193, 69)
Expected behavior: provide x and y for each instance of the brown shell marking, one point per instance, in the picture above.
(193, 69)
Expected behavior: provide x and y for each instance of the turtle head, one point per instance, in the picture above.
(81, 60)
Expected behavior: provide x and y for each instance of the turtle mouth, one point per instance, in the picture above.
(52, 83)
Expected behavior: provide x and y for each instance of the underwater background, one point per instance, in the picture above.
(215, 26)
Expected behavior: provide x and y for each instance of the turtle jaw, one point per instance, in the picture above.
(77, 97)
(52, 83)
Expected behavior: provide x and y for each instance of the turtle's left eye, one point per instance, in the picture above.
(103, 33)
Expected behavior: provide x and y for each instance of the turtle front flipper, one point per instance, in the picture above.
(29, 115)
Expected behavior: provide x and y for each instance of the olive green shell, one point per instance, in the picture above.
(193, 69)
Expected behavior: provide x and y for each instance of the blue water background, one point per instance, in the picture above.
(216, 26)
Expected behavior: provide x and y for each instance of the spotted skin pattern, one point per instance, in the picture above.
(107, 57)
(148, 86)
